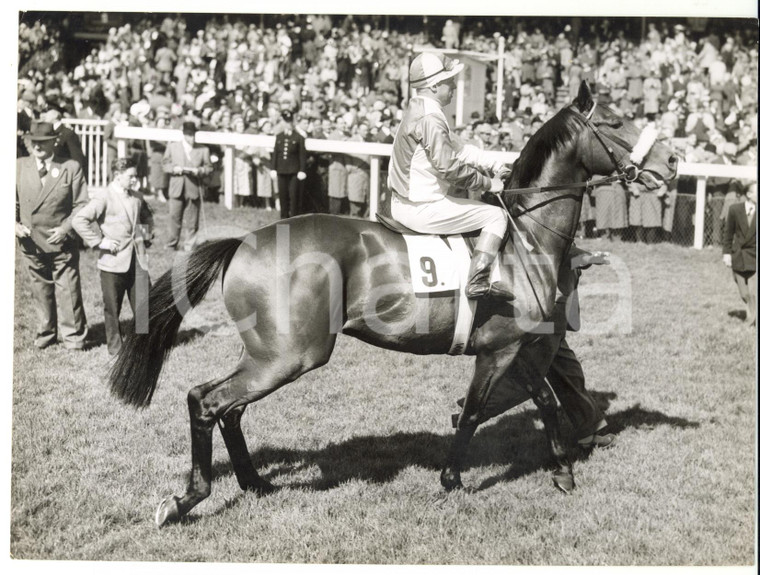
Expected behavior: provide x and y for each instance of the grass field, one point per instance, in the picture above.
(357, 445)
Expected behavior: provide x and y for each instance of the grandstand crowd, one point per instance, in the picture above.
(347, 78)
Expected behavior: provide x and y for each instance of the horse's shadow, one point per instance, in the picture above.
(512, 440)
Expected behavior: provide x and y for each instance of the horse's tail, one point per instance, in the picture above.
(134, 376)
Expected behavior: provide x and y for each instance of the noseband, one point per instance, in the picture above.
(627, 172)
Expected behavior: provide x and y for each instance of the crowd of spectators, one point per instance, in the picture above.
(347, 79)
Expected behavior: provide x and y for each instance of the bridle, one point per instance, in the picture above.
(625, 172)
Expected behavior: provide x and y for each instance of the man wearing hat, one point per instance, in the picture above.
(49, 191)
(740, 249)
(289, 166)
(187, 164)
(68, 144)
(425, 167)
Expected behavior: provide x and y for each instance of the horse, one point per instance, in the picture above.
(292, 286)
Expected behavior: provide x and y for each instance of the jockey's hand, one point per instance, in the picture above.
(490, 199)
(497, 185)
(502, 172)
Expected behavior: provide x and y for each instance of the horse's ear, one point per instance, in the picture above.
(585, 100)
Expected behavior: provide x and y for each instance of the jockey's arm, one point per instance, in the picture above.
(472, 155)
(434, 136)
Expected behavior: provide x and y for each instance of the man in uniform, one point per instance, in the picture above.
(289, 166)
(425, 166)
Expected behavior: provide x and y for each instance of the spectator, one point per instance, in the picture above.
(611, 210)
(289, 167)
(186, 163)
(740, 249)
(242, 165)
(262, 161)
(450, 35)
(68, 145)
(645, 211)
(49, 191)
(119, 223)
(337, 179)
(357, 175)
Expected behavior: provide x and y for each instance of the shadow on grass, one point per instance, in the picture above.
(740, 314)
(512, 440)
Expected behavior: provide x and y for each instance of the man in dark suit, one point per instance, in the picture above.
(289, 166)
(187, 164)
(49, 191)
(740, 248)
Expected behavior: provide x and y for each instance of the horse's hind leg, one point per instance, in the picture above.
(207, 403)
(224, 398)
(247, 476)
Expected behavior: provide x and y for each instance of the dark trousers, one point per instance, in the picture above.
(51, 272)
(337, 206)
(747, 284)
(566, 378)
(289, 191)
(135, 284)
(190, 210)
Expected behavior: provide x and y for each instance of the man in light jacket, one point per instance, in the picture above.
(118, 222)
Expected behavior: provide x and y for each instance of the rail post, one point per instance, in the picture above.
(229, 164)
(699, 215)
(374, 186)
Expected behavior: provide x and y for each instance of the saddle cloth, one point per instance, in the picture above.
(440, 265)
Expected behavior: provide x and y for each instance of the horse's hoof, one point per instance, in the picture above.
(168, 511)
(564, 481)
(451, 480)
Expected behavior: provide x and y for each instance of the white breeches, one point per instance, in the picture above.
(449, 215)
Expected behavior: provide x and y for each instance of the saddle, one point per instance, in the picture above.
(470, 238)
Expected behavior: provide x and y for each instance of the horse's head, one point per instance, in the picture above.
(617, 145)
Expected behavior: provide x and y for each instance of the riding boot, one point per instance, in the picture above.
(479, 284)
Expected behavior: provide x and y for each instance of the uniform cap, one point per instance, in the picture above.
(429, 69)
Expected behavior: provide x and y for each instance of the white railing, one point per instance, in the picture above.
(91, 134)
(377, 151)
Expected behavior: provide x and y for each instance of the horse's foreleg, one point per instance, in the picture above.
(562, 474)
(247, 476)
(451, 476)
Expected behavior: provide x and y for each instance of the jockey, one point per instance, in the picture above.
(425, 165)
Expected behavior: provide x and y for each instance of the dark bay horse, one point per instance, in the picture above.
(290, 287)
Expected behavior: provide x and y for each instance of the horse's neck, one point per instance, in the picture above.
(551, 218)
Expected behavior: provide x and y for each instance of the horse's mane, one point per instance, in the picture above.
(550, 138)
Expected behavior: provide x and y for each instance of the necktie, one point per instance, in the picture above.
(750, 211)
(43, 171)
